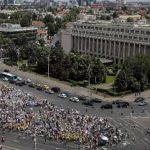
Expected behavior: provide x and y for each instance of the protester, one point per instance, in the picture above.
(53, 122)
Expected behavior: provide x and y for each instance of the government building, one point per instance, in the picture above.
(109, 40)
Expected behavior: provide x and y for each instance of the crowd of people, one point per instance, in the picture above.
(17, 113)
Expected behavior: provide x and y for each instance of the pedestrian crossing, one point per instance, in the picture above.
(133, 129)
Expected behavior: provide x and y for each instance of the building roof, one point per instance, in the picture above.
(6, 27)
(38, 24)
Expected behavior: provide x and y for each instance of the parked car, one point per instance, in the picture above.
(82, 98)
(88, 103)
(139, 99)
(62, 95)
(32, 85)
(117, 101)
(19, 78)
(45, 87)
(107, 106)
(6, 70)
(5, 79)
(40, 88)
(142, 103)
(123, 105)
(49, 91)
(74, 99)
(21, 83)
(96, 100)
(28, 80)
(12, 81)
(56, 89)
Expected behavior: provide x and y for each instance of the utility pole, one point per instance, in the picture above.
(18, 53)
(48, 66)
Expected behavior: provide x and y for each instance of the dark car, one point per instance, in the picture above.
(88, 103)
(139, 99)
(107, 106)
(123, 105)
(82, 98)
(6, 70)
(117, 101)
(96, 100)
(40, 88)
(21, 83)
(56, 89)
(32, 85)
(12, 81)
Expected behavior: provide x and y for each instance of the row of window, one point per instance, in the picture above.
(120, 36)
(123, 30)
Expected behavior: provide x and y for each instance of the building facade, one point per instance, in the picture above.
(13, 31)
(109, 40)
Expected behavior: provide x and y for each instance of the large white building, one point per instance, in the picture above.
(107, 39)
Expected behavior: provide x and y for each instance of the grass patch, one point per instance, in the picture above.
(110, 79)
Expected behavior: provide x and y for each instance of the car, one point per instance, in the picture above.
(19, 78)
(40, 88)
(107, 106)
(49, 91)
(32, 85)
(20, 83)
(12, 81)
(45, 87)
(56, 89)
(6, 70)
(28, 80)
(123, 105)
(139, 99)
(142, 103)
(62, 95)
(74, 99)
(117, 101)
(5, 79)
(82, 98)
(96, 100)
(88, 103)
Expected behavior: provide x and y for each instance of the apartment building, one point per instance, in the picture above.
(109, 40)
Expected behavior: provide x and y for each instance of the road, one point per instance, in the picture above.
(140, 120)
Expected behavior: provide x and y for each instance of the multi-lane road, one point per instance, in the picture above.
(135, 125)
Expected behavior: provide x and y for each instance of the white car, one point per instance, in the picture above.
(28, 80)
(19, 78)
(62, 95)
(5, 79)
(74, 99)
(49, 91)
(142, 103)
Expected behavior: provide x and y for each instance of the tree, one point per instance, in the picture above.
(115, 15)
(90, 12)
(48, 19)
(130, 19)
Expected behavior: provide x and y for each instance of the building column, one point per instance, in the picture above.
(144, 49)
(93, 42)
(128, 49)
(97, 49)
(101, 51)
(85, 49)
(78, 48)
(124, 50)
(82, 50)
(105, 48)
(89, 46)
(115, 51)
(139, 48)
(119, 53)
(109, 49)
(134, 49)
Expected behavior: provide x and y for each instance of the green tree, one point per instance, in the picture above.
(130, 19)
(115, 15)
(48, 19)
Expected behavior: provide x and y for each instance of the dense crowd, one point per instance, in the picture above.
(53, 122)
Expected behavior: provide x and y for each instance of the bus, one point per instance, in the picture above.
(8, 76)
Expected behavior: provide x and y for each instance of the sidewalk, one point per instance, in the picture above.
(74, 90)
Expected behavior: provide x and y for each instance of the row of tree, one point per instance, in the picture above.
(72, 66)
(134, 75)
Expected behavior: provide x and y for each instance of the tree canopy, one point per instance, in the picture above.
(135, 74)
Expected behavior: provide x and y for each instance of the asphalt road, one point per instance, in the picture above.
(124, 122)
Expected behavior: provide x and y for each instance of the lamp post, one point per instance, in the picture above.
(18, 54)
(48, 66)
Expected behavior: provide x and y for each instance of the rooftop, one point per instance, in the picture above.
(7, 27)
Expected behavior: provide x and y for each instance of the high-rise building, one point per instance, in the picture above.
(120, 3)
